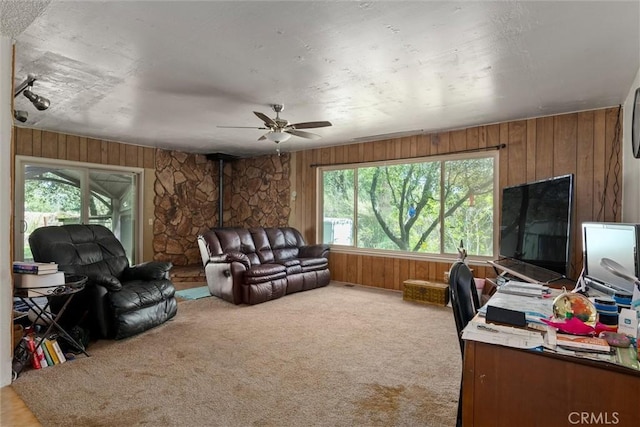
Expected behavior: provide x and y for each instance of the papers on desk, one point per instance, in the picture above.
(626, 357)
(502, 335)
(533, 308)
(524, 289)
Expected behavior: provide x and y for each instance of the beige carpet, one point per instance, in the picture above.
(335, 356)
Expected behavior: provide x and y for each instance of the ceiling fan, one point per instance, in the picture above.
(279, 130)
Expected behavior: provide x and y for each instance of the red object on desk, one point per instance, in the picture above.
(575, 326)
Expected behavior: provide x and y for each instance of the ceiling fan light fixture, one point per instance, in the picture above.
(278, 136)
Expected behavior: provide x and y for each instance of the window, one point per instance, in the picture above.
(425, 206)
(54, 193)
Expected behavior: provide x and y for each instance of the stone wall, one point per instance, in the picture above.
(257, 192)
(186, 204)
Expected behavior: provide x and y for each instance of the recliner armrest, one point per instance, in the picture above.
(152, 270)
(111, 283)
(218, 259)
(314, 251)
(234, 256)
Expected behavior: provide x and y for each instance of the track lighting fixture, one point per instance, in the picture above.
(20, 115)
(40, 102)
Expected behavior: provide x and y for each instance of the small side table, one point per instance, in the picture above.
(73, 285)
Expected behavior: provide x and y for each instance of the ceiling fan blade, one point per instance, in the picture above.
(310, 125)
(242, 127)
(303, 134)
(263, 137)
(266, 119)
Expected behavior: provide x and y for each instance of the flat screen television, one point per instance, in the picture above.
(616, 241)
(535, 223)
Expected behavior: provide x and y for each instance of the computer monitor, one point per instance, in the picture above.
(616, 241)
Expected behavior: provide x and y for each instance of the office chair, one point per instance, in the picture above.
(464, 301)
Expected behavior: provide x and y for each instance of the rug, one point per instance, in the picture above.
(194, 293)
(333, 356)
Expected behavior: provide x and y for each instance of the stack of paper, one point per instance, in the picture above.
(533, 308)
(502, 335)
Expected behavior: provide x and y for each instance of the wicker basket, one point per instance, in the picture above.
(426, 292)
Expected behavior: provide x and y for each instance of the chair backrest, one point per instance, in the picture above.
(89, 249)
(464, 297)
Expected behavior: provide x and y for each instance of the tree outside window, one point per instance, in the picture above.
(426, 206)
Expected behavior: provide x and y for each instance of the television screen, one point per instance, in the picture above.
(616, 241)
(535, 223)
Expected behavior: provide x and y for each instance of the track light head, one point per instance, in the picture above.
(40, 102)
(20, 115)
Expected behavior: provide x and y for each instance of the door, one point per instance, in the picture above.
(50, 194)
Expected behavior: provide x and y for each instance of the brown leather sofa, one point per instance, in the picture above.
(250, 266)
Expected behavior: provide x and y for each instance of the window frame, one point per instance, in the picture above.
(85, 168)
(391, 162)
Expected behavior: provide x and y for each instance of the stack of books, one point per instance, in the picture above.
(48, 353)
(32, 279)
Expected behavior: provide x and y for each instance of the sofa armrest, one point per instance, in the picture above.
(152, 270)
(234, 256)
(215, 259)
(314, 251)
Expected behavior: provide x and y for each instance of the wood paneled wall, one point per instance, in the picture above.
(586, 144)
(52, 145)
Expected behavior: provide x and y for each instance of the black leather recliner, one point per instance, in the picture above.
(118, 300)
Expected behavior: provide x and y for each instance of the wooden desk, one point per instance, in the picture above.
(505, 386)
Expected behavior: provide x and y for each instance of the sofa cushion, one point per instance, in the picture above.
(238, 240)
(313, 264)
(284, 242)
(264, 273)
(265, 269)
(292, 266)
(262, 246)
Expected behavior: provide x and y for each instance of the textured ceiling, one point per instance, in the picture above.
(167, 73)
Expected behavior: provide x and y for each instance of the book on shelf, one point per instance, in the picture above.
(34, 267)
(38, 281)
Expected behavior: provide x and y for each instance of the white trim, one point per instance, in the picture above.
(6, 290)
(73, 163)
